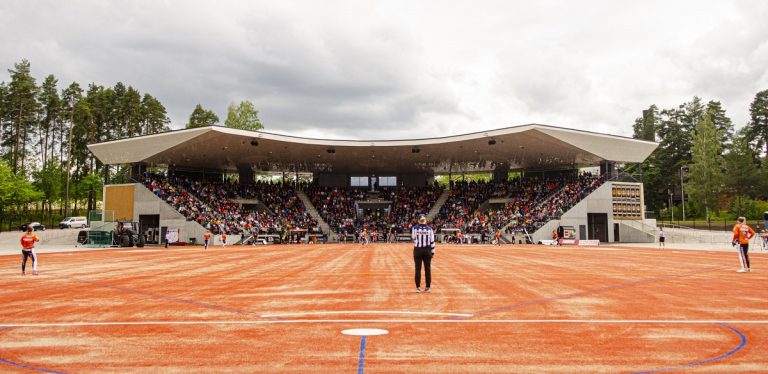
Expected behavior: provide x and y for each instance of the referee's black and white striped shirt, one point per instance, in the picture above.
(423, 236)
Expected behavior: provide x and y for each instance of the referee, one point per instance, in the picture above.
(423, 250)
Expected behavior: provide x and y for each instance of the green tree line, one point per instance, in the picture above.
(718, 170)
(45, 127)
(44, 130)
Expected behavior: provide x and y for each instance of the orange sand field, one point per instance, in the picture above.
(281, 308)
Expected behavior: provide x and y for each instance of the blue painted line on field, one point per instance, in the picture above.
(169, 298)
(18, 364)
(709, 360)
(586, 292)
(361, 358)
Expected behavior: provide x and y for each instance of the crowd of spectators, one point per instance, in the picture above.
(533, 202)
(338, 207)
(529, 203)
(212, 205)
(408, 203)
(462, 204)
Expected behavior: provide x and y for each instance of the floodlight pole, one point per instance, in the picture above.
(671, 207)
(682, 190)
(69, 158)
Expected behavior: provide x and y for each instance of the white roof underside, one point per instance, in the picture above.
(528, 147)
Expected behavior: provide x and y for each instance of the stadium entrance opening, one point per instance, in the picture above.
(149, 226)
(597, 226)
(375, 210)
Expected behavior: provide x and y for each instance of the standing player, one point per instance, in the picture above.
(423, 250)
(741, 235)
(206, 239)
(661, 237)
(223, 239)
(28, 241)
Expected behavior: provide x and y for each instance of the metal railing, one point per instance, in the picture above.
(720, 224)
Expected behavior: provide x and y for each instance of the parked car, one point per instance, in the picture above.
(73, 223)
(37, 226)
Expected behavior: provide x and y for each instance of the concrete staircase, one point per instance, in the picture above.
(332, 236)
(260, 205)
(546, 228)
(438, 204)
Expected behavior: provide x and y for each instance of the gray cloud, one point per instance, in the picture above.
(391, 70)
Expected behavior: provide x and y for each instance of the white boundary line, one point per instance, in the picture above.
(380, 321)
(365, 312)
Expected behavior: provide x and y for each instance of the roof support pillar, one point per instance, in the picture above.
(246, 173)
(501, 172)
(608, 170)
(137, 170)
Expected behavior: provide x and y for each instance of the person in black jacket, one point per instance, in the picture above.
(423, 250)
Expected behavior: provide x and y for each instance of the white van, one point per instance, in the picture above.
(73, 222)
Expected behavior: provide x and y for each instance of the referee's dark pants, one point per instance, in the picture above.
(423, 255)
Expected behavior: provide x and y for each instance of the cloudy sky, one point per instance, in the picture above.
(403, 69)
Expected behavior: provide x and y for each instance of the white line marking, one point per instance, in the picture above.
(139, 251)
(365, 312)
(334, 321)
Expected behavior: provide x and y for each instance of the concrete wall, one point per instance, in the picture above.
(147, 202)
(600, 201)
(675, 235)
(631, 234)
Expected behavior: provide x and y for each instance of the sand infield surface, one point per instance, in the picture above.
(283, 308)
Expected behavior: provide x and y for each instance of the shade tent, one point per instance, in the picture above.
(526, 147)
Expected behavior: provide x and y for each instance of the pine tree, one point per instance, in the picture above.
(758, 121)
(50, 117)
(742, 174)
(722, 122)
(5, 122)
(201, 117)
(22, 100)
(154, 116)
(706, 175)
(645, 126)
(131, 110)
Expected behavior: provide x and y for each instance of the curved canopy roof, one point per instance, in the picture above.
(528, 147)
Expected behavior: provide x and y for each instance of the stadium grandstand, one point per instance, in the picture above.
(262, 187)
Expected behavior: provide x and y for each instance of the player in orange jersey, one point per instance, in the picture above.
(497, 237)
(28, 241)
(206, 239)
(741, 235)
(223, 239)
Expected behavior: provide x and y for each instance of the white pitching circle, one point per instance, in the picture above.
(365, 332)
